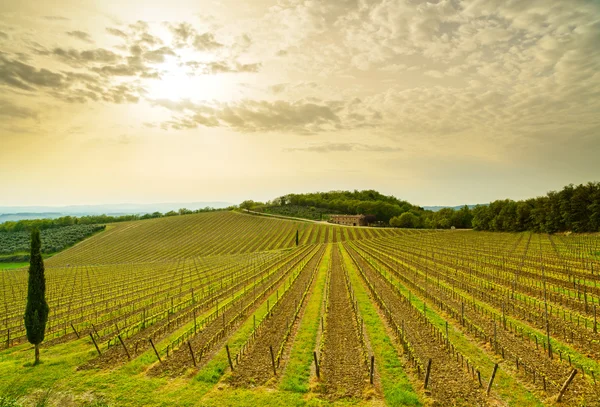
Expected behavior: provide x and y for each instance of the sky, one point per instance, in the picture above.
(435, 102)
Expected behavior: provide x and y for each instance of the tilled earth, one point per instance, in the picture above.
(580, 391)
(255, 367)
(180, 360)
(343, 368)
(449, 384)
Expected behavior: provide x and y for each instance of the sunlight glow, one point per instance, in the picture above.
(175, 83)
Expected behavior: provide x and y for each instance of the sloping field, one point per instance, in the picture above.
(204, 234)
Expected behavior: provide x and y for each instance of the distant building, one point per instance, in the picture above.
(349, 220)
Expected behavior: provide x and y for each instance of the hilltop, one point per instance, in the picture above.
(386, 210)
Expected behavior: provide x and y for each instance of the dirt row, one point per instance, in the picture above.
(343, 370)
(449, 383)
(255, 365)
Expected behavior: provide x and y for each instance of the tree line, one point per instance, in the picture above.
(574, 208)
(42, 224)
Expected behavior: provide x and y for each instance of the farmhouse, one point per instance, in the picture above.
(349, 220)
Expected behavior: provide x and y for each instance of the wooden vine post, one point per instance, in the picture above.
(75, 330)
(229, 357)
(372, 373)
(489, 388)
(124, 347)
(155, 351)
(95, 344)
(317, 370)
(273, 360)
(192, 353)
(427, 373)
(564, 387)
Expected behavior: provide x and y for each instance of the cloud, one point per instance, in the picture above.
(158, 55)
(434, 73)
(250, 116)
(8, 109)
(185, 35)
(216, 67)
(146, 38)
(74, 57)
(84, 91)
(206, 41)
(344, 147)
(134, 64)
(55, 18)
(182, 32)
(3, 36)
(119, 70)
(72, 87)
(295, 87)
(26, 77)
(80, 35)
(116, 32)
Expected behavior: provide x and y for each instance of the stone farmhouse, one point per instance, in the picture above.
(349, 220)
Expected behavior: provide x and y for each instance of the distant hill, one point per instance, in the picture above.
(15, 213)
(437, 208)
(381, 209)
(5, 217)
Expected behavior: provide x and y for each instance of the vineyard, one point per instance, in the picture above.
(229, 309)
(53, 240)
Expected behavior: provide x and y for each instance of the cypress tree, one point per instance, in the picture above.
(36, 311)
(296, 237)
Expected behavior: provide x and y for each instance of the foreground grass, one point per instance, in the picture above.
(397, 388)
(8, 266)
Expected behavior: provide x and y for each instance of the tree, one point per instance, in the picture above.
(36, 311)
(406, 220)
(247, 205)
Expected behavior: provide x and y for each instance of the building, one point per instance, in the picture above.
(349, 220)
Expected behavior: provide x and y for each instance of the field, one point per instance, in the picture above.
(224, 309)
(15, 245)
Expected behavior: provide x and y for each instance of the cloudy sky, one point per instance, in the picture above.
(436, 102)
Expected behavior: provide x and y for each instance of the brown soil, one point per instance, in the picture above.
(343, 370)
(255, 366)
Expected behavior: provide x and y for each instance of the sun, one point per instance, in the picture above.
(177, 82)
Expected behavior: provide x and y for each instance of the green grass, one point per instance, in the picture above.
(8, 266)
(397, 388)
(19, 264)
(297, 373)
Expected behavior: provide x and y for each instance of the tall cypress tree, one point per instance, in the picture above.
(36, 312)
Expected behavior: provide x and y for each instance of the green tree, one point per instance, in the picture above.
(36, 311)
(247, 205)
(406, 220)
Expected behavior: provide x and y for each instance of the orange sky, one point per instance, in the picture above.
(442, 102)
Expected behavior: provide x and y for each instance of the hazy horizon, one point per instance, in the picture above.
(439, 103)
